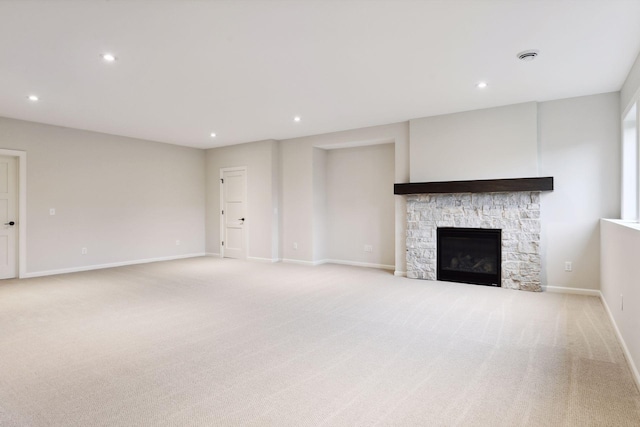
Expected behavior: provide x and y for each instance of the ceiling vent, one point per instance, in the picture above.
(528, 55)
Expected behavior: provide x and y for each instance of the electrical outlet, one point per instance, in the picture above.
(295, 246)
(52, 211)
(568, 266)
(368, 248)
(177, 242)
(83, 251)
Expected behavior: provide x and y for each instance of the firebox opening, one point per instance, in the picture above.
(469, 255)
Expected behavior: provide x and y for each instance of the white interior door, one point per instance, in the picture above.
(8, 217)
(234, 200)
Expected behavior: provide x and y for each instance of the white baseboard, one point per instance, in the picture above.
(341, 262)
(576, 291)
(254, 258)
(110, 265)
(249, 258)
(627, 355)
(301, 262)
(400, 273)
(359, 264)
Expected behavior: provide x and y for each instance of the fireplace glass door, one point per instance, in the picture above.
(469, 255)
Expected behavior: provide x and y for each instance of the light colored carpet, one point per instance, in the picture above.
(207, 342)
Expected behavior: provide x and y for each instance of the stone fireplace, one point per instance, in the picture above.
(517, 214)
(508, 206)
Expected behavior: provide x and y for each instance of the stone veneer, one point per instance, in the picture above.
(517, 214)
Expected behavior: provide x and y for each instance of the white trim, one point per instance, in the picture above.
(212, 254)
(635, 101)
(627, 355)
(258, 259)
(22, 208)
(301, 262)
(400, 273)
(341, 262)
(359, 264)
(623, 223)
(576, 291)
(635, 97)
(110, 265)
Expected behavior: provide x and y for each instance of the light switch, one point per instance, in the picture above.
(52, 211)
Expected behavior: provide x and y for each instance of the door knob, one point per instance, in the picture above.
(10, 223)
(241, 219)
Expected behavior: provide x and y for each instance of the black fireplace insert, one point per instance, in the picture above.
(469, 255)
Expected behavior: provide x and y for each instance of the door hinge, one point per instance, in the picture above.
(222, 243)
(223, 212)
(222, 180)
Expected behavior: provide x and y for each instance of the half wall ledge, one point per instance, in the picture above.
(476, 186)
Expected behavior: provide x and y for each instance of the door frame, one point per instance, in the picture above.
(21, 238)
(245, 230)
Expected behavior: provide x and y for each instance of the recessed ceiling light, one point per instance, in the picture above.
(528, 55)
(33, 98)
(212, 134)
(296, 119)
(109, 57)
(481, 85)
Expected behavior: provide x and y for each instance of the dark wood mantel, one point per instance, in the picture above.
(476, 186)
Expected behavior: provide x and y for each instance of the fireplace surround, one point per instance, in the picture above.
(509, 205)
(516, 214)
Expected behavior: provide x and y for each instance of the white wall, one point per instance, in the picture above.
(361, 204)
(580, 148)
(619, 280)
(574, 140)
(123, 199)
(275, 201)
(619, 248)
(319, 193)
(296, 201)
(297, 206)
(482, 144)
(260, 158)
